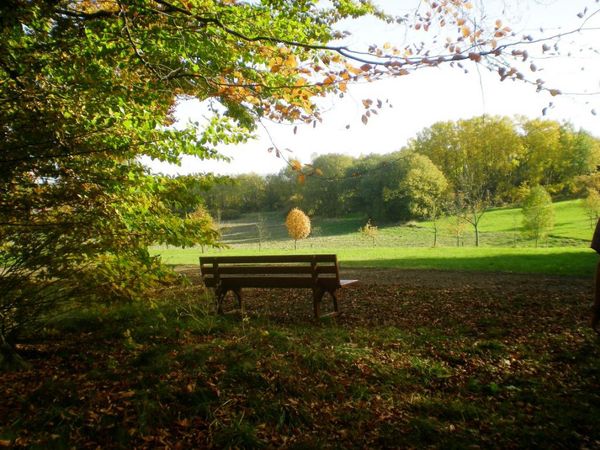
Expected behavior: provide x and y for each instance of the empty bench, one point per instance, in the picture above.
(233, 273)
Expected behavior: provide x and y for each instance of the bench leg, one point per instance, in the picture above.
(335, 301)
(219, 296)
(317, 297)
(238, 295)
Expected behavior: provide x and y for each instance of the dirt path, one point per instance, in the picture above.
(447, 279)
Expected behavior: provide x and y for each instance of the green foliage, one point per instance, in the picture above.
(591, 204)
(236, 195)
(425, 186)
(328, 194)
(556, 155)
(538, 214)
(427, 190)
(485, 162)
(478, 155)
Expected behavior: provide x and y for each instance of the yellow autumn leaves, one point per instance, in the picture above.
(298, 225)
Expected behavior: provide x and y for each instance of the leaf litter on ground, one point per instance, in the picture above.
(421, 359)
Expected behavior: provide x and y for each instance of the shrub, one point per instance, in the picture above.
(369, 231)
(298, 225)
(538, 214)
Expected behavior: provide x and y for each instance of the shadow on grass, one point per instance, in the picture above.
(577, 264)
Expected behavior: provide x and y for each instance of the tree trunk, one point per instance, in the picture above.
(476, 235)
(9, 359)
(595, 322)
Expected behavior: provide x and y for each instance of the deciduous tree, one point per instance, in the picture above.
(538, 214)
(369, 231)
(328, 194)
(478, 156)
(426, 188)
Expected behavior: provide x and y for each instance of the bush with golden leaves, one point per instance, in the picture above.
(298, 225)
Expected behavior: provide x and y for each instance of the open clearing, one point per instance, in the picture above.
(566, 252)
(567, 261)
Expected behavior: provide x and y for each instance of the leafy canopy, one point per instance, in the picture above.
(87, 88)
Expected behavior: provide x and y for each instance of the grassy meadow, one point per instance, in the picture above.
(568, 261)
(409, 246)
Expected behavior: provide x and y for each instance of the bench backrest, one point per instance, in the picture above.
(293, 271)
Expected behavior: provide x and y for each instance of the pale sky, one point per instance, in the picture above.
(429, 95)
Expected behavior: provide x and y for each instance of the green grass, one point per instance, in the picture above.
(408, 246)
(502, 226)
(566, 261)
(499, 227)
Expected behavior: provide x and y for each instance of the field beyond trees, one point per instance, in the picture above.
(408, 246)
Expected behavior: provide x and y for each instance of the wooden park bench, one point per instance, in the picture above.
(232, 273)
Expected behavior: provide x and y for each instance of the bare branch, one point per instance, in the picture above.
(100, 14)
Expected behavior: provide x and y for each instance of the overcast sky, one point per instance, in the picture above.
(429, 95)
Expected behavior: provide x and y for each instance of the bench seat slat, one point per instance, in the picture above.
(272, 282)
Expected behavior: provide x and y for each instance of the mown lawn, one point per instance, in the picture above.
(500, 227)
(570, 261)
(506, 365)
(570, 223)
(409, 246)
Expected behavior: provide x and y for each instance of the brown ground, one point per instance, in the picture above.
(447, 279)
(433, 296)
(416, 359)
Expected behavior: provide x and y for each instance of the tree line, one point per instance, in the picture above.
(462, 167)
